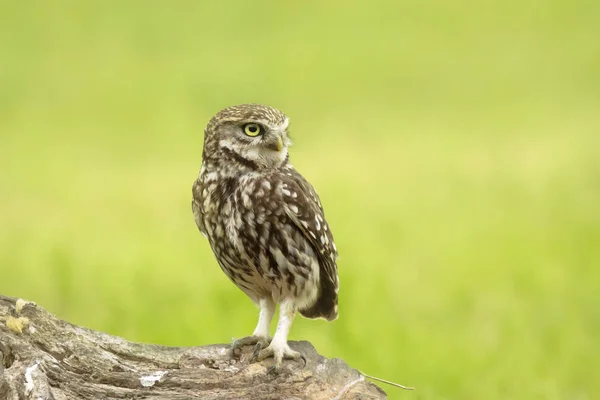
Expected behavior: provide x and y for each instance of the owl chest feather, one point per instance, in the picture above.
(252, 236)
(235, 219)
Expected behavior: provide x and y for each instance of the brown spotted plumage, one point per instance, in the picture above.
(265, 223)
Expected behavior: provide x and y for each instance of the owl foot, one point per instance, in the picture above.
(259, 342)
(279, 352)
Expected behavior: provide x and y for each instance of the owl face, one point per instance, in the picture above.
(255, 136)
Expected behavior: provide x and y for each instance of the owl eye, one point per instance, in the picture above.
(253, 129)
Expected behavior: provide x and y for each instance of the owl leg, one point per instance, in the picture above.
(279, 349)
(260, 337)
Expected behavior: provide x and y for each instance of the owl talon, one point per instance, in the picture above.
(303, 359)
(258, 341)
(279, 353)
(257, 348)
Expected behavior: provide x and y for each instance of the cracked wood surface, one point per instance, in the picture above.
(43, 357)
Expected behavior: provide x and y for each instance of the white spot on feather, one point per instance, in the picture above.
(294, 208)
(226, 210)
(211, 176)
(150, 380)
(279, 257)
(246, 200)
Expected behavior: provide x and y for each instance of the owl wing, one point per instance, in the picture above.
(305, 211)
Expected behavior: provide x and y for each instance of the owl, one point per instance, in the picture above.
(265, 224)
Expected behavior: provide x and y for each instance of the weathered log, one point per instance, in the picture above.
(46, 358)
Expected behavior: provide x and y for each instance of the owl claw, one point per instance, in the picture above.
(259, 342)
(279, 352)
(257, 348)
(303, 359)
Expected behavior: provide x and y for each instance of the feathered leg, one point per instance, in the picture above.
(279, 349)
(260, 337)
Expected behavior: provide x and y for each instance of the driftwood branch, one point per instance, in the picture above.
(43, 357)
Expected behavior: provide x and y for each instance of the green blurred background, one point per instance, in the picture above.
(455, 146)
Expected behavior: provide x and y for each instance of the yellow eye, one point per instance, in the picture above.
(252, 129)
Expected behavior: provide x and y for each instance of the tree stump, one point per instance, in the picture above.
(46, 358)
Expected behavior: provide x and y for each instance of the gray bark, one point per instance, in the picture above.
(43, 357)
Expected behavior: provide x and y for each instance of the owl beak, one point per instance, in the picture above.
(276, 145)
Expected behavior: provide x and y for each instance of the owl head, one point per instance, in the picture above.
(251, 136)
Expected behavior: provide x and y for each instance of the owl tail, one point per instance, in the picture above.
(326, 305)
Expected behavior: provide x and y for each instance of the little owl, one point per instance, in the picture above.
(265, 224)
